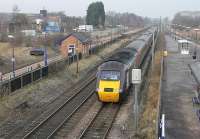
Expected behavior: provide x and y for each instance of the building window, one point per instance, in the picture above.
(71, 50)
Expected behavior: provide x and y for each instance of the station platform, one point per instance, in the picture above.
(178, 89)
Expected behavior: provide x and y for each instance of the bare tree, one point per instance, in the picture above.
(186, 20)
(128, 19)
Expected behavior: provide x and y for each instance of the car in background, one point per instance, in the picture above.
(37, 51)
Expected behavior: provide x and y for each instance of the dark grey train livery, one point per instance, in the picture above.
(114, 75)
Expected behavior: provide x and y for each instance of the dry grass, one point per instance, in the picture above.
(22, 56)
(46, 90)
(149, 115)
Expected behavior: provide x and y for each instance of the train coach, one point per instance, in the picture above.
(114, 74)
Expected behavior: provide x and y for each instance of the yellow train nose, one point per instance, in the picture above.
(108, 97)
(109, 91)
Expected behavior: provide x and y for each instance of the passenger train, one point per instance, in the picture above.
(114, 74)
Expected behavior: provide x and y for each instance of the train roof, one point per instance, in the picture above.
(124, 55)
(112, 65)
(141, 41)
(137, 44)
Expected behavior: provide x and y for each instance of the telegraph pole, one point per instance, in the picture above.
(77, 57)
(153, 47)
(45, 57)
(11, 37)
(160, 23)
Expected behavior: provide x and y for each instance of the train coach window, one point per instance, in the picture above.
(110, 75)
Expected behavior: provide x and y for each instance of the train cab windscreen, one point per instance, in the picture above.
(110, 75)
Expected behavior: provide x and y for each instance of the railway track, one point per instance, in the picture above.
(101, 124)
(54, 120)
(18, 131)
(67, 128)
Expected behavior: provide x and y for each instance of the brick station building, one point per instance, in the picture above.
(74, 43)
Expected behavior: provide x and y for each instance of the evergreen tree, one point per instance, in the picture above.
(96, 14)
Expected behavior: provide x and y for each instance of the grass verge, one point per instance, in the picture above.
(147, 123)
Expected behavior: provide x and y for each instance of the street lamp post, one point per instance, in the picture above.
(13, 60)
(13, 55)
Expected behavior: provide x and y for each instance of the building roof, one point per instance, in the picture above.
(82, 37)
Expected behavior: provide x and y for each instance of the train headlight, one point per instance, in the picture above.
(99, 90)
(117, 90)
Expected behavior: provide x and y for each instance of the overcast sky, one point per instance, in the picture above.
(150, 8)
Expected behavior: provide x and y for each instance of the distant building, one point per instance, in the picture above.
(51, 27)
(75, 43)
(85, 28)
(14, 27)
(5, 19)
(4, 27)
(29, 32)
(43, 13)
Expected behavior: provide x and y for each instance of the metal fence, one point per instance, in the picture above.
(9, 86)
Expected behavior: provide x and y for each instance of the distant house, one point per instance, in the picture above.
(75, 43)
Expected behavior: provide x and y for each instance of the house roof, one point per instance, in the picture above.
(82, 37)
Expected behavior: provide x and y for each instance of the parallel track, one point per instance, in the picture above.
(67, 128)
(51, 123)
(101, 124)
